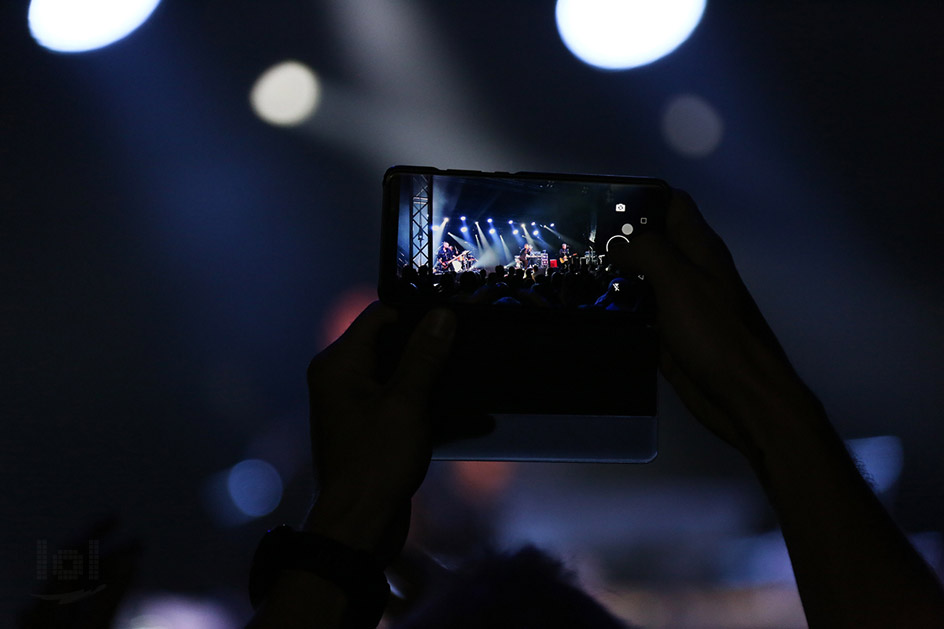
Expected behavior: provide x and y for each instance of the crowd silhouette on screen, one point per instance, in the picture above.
(579, 284)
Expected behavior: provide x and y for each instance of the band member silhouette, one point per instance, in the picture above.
(524, 253)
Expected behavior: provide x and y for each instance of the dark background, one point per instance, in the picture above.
(171, 262)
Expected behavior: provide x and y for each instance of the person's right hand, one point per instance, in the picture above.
(853, 566)
(717, 350)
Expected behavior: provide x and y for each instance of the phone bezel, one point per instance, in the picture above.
(524, 436)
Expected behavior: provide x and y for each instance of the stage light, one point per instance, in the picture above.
(552, 224)
(461, 218)
(489, 220)
(532, 223)
(511, 222)
(691, 126)
(534, 233)
(81, 25)
(491, 231)
(515, 232)
(174, 611)
(255, 487)
(523, 226)
(446, 220)
(618, 35)
(435, 228)
(286, 94)
(463, 229)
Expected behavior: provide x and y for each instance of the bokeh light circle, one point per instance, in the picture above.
(623, 34)
(255, 487)
(286, 94)
(691, 126)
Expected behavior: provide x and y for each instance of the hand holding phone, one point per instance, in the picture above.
(553, 339)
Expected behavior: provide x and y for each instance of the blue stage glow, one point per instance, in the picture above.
(618, 35)
(81, 25)
(882, 457)
(255, 487)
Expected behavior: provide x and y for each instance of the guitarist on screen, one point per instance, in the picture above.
(565, 255)
(444, 256)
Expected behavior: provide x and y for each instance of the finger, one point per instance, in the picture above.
(362, 333)
(356, 348)
(687, 229)
(423, 359)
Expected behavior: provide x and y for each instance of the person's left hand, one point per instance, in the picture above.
(371, 436)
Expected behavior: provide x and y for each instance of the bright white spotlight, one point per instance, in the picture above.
(515, 232)
(534, 233)
(446, 220)
(461, 218)
(623, 34)
(255, 487)
(286, 94)
(532, 223)
(80, 25)
(489, 221)
(511, 222)
(463, 229)
(552, 224)
(491, 231)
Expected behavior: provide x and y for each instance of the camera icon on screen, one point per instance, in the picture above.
(620, 207)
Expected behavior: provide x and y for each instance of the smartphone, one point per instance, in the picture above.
(554, 342)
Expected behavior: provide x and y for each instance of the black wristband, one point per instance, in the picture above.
(355, 572)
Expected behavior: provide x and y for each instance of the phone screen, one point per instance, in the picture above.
(528, 240)
(553, 339)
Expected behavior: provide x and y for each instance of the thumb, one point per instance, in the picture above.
(423, 358)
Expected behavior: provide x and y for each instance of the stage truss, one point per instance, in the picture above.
(421, 221)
